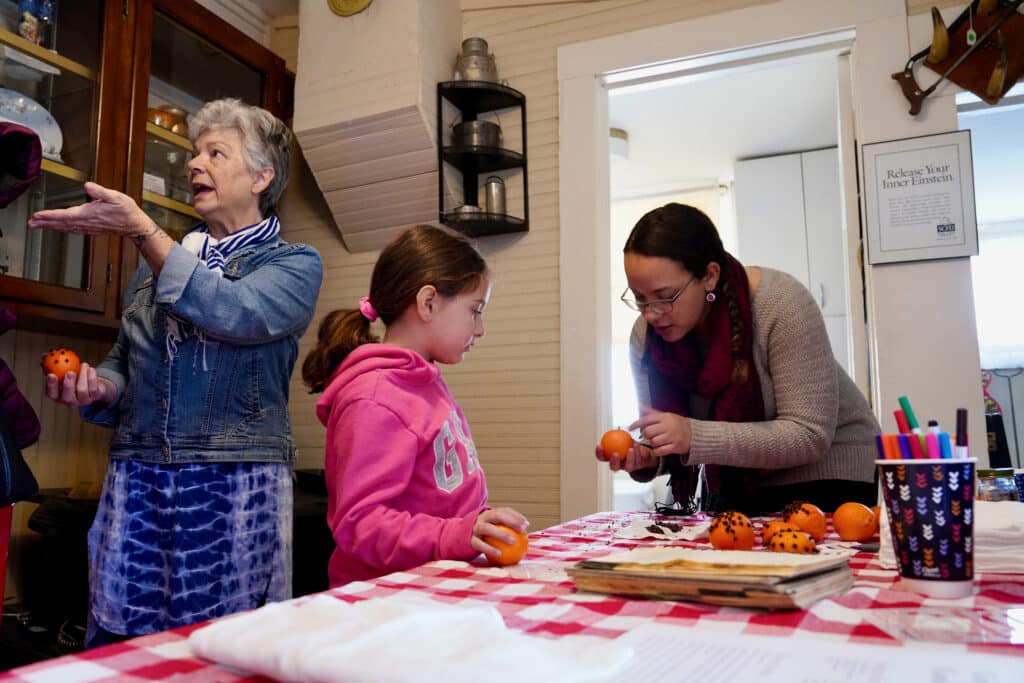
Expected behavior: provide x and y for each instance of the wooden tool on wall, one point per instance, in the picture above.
(981, 51)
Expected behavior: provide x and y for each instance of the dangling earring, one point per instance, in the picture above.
(710, 298)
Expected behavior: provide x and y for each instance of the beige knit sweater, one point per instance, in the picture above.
(817, 423)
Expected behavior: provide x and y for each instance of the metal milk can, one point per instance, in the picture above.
(494, 195)
(475, 63)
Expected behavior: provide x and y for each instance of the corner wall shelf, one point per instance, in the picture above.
(472, 98)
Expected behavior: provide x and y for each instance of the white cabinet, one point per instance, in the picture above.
(789, 217)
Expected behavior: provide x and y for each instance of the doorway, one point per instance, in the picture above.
(774, 190)
(997, 143)
(585, 70)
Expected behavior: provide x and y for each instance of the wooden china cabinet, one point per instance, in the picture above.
(115, 80)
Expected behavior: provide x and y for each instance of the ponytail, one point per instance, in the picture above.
(340, 333)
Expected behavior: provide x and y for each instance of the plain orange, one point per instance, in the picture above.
(854, 521)
(616, 442)
(511, 553)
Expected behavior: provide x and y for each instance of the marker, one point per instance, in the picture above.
(905, 451)
(880, 445)
(945, 449)
(911, 418)
(901, 422)
(931, 441)
(933, 427)
(961, 433)
(892, 446)
(916, 449)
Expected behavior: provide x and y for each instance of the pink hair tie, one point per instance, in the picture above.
(366, 308)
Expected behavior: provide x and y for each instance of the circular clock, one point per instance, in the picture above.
(347, 8)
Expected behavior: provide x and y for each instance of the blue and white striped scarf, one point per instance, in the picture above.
(214, 252)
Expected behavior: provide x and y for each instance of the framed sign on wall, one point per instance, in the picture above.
(919, 198)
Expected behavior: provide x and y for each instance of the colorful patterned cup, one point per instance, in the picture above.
(930, 506)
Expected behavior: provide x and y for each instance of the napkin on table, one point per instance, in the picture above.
(326, 640)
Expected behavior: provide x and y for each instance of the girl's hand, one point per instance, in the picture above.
(81, 389)
(667, 433)
(637, 458)
(485, 526)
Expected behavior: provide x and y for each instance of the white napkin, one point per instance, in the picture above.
(670, 531)
(324, 639)
(998, 538)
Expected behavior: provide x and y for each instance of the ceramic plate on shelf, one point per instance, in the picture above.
(24, 110)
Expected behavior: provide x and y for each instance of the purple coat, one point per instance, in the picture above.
(20, 415)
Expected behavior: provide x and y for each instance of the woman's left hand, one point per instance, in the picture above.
(109, 213)
(667, 433)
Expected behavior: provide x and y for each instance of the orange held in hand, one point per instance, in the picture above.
(854, 522)
(731, 530)
(60, 361)
(511, 553)
(808, 517)
(616, 442)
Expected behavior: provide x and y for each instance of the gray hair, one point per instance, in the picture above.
(266, 141)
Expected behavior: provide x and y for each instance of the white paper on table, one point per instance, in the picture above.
(669, 531)
(663, 652)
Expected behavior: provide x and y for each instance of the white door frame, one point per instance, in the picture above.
(880, 26)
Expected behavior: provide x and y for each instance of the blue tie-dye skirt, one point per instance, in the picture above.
(174, 545)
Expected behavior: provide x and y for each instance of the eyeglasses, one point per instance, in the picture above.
(657, 306)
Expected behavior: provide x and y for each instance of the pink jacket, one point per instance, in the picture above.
(403, 480)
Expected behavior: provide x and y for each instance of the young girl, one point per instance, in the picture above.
(404, 482)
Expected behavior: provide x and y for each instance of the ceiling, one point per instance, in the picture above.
(689, 132)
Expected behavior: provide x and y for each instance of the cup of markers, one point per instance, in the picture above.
(928, 487)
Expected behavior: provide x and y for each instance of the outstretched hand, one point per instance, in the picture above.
(485, 526)
(108, 213)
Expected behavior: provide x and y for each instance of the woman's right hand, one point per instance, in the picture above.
(637, 458)
(82, 389)
(108, 212)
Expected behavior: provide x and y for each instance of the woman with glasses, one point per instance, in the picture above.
(742, 402)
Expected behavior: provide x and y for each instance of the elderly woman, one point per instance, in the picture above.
(194, 521)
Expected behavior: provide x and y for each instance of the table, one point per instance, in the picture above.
(536, 597)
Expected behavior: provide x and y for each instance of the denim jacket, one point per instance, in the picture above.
(202, 362)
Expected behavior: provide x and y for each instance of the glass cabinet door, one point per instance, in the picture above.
(50, 53)
(186, 70)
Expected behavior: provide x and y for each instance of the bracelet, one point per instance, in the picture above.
(139, 239)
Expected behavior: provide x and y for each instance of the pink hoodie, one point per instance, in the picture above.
(403, 480)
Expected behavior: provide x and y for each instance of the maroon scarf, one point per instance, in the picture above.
(678, 369)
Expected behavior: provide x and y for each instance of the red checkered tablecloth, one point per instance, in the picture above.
(537, 597)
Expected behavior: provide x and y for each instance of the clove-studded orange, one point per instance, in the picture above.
(59, 362)
(731, 530)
